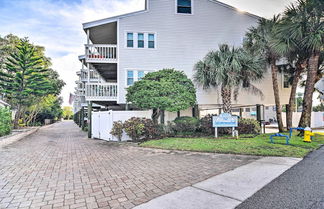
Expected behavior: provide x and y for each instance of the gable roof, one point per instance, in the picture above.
(115, 18)
(235, 9)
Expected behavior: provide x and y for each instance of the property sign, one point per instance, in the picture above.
(225, 120)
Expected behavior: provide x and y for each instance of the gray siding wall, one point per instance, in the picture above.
(182, 40)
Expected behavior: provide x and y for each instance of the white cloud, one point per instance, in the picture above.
(57, 25)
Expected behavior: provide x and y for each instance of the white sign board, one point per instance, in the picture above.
(225, 120)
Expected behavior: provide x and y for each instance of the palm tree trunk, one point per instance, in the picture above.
(305, 119)
(226, 93)
(291, 105)
(274, 74)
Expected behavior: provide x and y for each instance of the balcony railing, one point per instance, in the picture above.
(101, 91)
(94, 76)
(105, 53)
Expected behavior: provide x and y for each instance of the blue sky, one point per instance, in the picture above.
(56, 25)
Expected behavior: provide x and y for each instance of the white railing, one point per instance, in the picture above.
(101, 91)
(84, 75)
(106, 53)
(94, 75)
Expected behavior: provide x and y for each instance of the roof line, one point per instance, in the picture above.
(115, 18)
(110, 19)
(236, 9)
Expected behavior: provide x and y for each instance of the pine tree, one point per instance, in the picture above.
(24, 78)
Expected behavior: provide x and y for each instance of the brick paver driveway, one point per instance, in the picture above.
(58, 167)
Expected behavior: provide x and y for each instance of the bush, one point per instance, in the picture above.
(186, 125)
(151, 131)
(5, 121)
(205, 124)
(117, 130)
(134, 127)
(248, 126)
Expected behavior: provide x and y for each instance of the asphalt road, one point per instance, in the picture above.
(300, 187)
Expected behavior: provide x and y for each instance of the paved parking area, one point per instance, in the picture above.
(58, 167)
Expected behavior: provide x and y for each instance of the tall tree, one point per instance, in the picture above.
(258, 41)
(230, 69)
(24, 77)
(306, 25)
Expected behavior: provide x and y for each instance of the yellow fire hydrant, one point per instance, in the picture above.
(308, 134)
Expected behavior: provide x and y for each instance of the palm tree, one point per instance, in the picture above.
(297, 60)
(304, 29)
(257, 41)
(230, 69)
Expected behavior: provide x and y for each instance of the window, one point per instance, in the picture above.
(247, 110)
(130, 40)
(130, 77)
(140, 75)
(134, 75)
(151, 41)
(184, 6)
(140, 40)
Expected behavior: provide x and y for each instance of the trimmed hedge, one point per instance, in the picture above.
(248, 126)
(186, 124)
(5, 121)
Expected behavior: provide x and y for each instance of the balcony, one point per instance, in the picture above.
(101, 91)
(101, 53)
(94, 76)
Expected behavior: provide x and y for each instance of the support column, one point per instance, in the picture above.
(82, 118)
(195, 111)
(88, 66)
(241, 112)
(89, 119)
(88, 36)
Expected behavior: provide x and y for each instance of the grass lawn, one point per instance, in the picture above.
(259, 145)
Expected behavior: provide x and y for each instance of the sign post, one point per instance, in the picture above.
(225, 120)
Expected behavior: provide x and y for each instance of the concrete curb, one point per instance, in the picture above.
(17, 137)
(227, 190)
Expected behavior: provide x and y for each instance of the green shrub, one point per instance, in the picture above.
(206, 125)
(151, 130)
(134, 127)
(186, 125)
(117, 130)
(5, 121)
(248, 126)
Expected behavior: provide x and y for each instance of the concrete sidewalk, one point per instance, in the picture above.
(226, 190)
